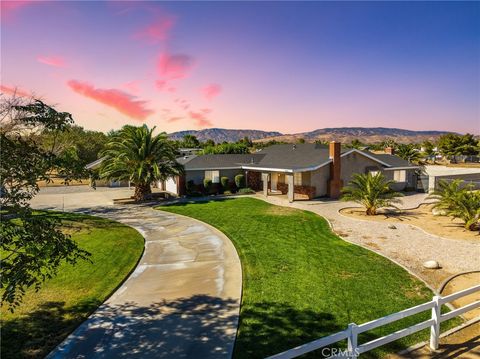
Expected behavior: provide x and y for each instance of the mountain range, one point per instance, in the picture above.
(342, 134)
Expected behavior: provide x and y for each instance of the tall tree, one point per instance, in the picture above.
(32, 245)
(408, 152)
(137, 155)
(190, 141)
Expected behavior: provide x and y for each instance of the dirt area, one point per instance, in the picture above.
(421, 217)
(463, 344)
(460, 283)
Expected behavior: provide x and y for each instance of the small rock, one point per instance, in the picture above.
(391, 226)
(431, 264)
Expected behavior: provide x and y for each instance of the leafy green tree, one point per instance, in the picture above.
(301, 140)
(429, 150)
(208, 143)
(82, 144)
(356, 144)
(246, 141)
(226, 148)
(458, 200)
(390, 142)
(190, 141)
(452, 145)
(408, 153)
(135, 154)
(33, 245)
(371, 191)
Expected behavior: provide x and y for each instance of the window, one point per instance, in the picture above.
(213, 175)
(400, 176)
(297, 178)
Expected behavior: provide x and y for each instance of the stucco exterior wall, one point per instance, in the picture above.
(356, 163)
(198, 175)
(319, 179)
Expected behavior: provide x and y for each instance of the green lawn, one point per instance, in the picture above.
(46, 317)
(302, 282)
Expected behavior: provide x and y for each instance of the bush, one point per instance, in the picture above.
(240, 181)
(190, 186)
(207, 184)
(246, 191)
(227, 193)
(224, 181)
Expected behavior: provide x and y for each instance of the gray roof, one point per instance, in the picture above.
(285, 157)
(391, 160)
(293, 157)
(219, 161)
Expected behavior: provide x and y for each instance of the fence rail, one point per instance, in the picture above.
(351, 333)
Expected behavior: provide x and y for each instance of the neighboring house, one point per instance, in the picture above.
(300, 170)
(431, 175)
(95, 165)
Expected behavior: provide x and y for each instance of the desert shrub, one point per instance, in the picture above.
(207, 184)
(224, 181)
(240, 181)
(190, 186)
(458, 200)
(246, 191)
(227, 193)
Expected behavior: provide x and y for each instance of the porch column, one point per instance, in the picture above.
(265, 183)
(289, 179)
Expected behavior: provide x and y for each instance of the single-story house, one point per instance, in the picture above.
(308, 170)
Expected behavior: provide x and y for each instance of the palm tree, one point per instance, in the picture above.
(408, 153)
(459, 201)
(136, 155)
(371, 191)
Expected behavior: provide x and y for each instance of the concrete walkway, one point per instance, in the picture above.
(181, 301)
(407, 244)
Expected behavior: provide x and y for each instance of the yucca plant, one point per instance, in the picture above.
(136, 155)
(458, 201)
(373, 191)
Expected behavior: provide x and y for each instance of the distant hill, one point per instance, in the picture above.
(342, 134)
(363, 134)
(220, 135)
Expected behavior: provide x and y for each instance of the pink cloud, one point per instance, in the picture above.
(119, 100)
(9, 8)
(211, 91)
(206, 110)
(157, 31)
(55, 61)
(200, 119)
(14, 91)
(172, 67)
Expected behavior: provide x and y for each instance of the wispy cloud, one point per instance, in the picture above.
(55, 61)
(174, 119)
(119, 100)
(14, 91)
(211, 91)
(200, 119)
(174, 66)
(157, 31)
(10, 8)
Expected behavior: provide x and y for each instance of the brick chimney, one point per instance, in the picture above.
(389, 150)
(335, 182)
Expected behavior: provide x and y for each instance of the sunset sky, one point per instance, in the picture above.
(283, 66)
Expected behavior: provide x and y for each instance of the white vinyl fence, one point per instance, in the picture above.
(354, 349)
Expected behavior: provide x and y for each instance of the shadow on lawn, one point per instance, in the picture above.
(197, 327)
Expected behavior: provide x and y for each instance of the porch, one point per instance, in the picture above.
(293, 185)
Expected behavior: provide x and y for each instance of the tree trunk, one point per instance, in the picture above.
(372, 211)
(142, 191)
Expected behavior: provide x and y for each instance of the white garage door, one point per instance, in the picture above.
(171, 185)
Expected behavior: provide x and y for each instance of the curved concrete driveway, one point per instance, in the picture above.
(181, 301)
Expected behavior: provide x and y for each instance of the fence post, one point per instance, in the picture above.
(435, 328)
(352, 340)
